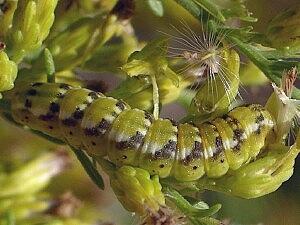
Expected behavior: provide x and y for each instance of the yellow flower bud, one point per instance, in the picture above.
(137, 191)
(8, 72)
(31, 26)
(34, 176)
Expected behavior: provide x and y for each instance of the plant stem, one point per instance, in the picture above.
(155, 97)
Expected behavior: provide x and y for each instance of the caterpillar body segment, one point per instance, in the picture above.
(126, 136)
(104, 126)
(70, 118)
(215, 162)
(189, 162)
(158, 156)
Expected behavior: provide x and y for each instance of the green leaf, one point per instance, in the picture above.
(272, 63)
(155, 48)
(172, 76)
(193, 212)
(156, 6)
(283, 30)
(89, 168)
(47, 137)
(112, 55)
(31, 25)
(9, 218)
(235, 9)
(130, 87)
(138, 67)
(245, 33)
(49, 65)
(192, 8)
(211, 8)
(220, 9)
(8, 72)
(151, 61)
(201, 205)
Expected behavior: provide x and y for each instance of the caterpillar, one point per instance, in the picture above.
(108, 127)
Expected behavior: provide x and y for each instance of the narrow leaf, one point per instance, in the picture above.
(211, 8)
(7, 116)
(49, 65)
(47, 137)
(89, 168)
(197, 211)
(156, 6)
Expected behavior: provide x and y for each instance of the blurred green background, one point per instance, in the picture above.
(279, 208)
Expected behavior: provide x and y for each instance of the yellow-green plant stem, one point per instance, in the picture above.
(155, 97)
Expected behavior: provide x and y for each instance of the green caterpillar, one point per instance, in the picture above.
(104, 126)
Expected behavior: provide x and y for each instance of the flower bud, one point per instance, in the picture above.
(32, 22)
(8, 72)
(23, 206)
(137, 191)
(34, 176)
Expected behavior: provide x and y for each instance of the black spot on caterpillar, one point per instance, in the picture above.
(104, 126)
